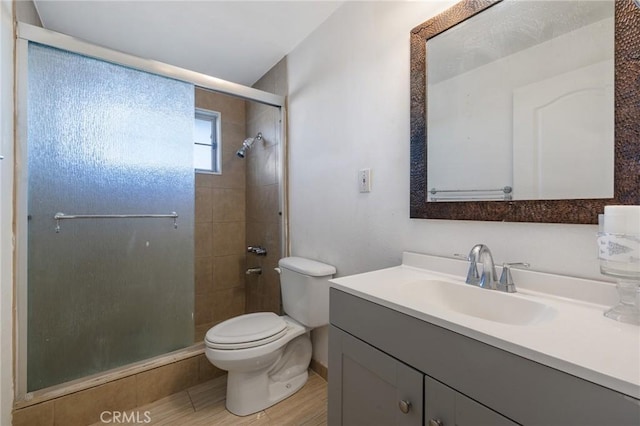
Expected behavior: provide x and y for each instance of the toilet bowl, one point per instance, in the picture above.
(266, 355)
(265, 366)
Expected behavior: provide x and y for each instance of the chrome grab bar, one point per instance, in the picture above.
(469, 198)
(506, 191)
(62, 216)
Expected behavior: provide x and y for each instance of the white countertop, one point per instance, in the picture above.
(578, 340)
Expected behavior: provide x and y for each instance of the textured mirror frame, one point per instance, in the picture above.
(627, 130)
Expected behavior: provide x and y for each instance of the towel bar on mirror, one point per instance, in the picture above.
(506, 194)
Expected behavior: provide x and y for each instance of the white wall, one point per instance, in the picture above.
(6, 209)
(349, 109)
(26, 11)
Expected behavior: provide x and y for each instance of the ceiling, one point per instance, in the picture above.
(237, 41)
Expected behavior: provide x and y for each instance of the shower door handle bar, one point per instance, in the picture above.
(62, 216)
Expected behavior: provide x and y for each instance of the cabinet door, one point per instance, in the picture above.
(444, 406)
(368, 387)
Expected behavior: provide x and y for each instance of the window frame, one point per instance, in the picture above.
(215, 118)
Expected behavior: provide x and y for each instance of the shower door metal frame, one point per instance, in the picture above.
(29, 33)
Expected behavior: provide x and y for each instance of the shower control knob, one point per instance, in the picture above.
(435, 422)
(260, 251)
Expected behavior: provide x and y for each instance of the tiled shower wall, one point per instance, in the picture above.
(220, 221)
(263, 214)
(239, 208)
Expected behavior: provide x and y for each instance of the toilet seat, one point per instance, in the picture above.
(246, 331)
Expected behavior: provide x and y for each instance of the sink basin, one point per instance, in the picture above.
(477, 302)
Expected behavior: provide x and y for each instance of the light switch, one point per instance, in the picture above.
(364, 180)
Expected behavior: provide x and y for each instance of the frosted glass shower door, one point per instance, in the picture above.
(106, 140)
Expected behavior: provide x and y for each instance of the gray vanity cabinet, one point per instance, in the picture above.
(373, 388)
(381, 359)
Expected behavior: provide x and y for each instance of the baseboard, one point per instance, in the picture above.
(320, 369)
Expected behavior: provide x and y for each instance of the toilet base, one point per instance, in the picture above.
(249, 395)
(251, 391)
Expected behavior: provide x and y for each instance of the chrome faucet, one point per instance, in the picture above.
(488, 279)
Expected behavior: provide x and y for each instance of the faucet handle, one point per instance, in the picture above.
(510, 264)
(506, 283)
(473, 276)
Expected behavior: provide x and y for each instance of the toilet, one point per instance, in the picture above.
(266, 355)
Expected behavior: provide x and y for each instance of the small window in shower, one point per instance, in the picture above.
(206, 132)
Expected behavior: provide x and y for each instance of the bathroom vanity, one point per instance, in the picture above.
(415, 345)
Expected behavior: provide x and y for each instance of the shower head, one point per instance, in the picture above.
(247, 144)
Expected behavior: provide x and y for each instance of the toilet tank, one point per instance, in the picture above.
(305, 290)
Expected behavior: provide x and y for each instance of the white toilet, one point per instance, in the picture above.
(267, 355)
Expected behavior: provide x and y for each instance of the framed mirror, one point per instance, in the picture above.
(548, 145)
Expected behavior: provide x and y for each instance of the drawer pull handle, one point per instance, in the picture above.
(404, 406)
(435, 422)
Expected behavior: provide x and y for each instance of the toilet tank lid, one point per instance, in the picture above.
(306, 266)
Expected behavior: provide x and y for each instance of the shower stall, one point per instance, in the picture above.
(106, 144)
(107, 236)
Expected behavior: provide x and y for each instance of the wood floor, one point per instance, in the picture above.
(204, 405)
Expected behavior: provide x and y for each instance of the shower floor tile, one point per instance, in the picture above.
(204, 405)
